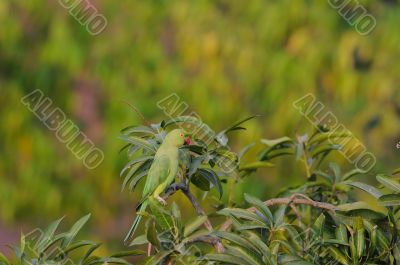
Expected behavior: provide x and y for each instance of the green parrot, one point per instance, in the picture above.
(161, 174)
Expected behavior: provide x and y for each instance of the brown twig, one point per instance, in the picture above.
(149, 247)
(184, 187)
(136, 110)
(293, 200)
(212, 240)
(173, 188)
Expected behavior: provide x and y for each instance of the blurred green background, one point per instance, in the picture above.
(226, 59)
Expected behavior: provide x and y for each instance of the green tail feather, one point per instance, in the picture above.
(136, 222)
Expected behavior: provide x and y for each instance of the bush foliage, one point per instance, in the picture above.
(322, 221)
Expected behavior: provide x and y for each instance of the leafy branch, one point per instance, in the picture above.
(292, 200)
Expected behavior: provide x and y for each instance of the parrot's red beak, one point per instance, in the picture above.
(187, 141)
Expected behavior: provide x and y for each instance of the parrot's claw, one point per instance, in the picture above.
(161, 200)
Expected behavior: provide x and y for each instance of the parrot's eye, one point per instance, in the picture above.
(181, 134)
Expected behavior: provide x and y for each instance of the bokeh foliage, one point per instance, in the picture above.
(226, 59)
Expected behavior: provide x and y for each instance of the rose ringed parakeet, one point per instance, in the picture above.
(161, 174)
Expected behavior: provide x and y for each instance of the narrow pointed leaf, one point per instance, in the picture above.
(388, 182)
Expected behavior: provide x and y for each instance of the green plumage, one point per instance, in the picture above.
(161, 173)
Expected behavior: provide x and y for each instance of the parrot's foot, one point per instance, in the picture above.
(161, 200)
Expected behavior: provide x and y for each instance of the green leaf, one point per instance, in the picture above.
(325, 136)
(341, 233)
(388, 182)
(228, 259)
(55, 240)
(245, 149)
(130, 177)
(326, 176)
(197, 149)
(137, 178)
(22, 243)
(338, 255)
(151, 233)
(258, 243)
(390, 200)
(142, 143)
(353, 206)
(226, 159)
(372, 239)
(47, 235)
(360, 242)
(367, 188)
(17, 252)
(77, 245)
(276, 153)
(4, 260)
(128, 253)
(212, 177)
(177, 218)
(88, 254)
(279, 215)
(278, 141)
(194, 165)
(162, 216)
(241, 213)
(335, 242)
(238, 123)
(336, 171)
(294, 236)
(298, 262)
(222, 137)
(194, 225)
(74, 231)
(139, 240)
(365, 213)
(133, 162)
(361, 209)
(137, 173)
(352, 173)
(396, 253)
(110, 260)
(378, 237)
(158, 258)
(260, 206)
(286, 246)
(325, 148)
(201, 182)
(256, 165)
(138, 129)
(359, 236)
(319, 225)
(353, 251)
(233, 238)
(195, 235)
(276, 147)
(132, 149)
(396, 171)
(249, 256)
(184, 119)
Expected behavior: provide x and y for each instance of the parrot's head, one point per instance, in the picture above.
(177, 138)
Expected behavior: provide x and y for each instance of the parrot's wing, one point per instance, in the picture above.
(158, 172)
